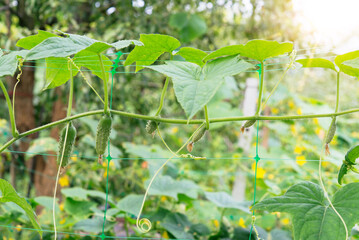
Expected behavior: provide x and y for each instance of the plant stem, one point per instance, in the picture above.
(163, 94)
(337, 100)
(259, 102)
(206, 116)
(69, 106)
(14, 131)
(176, 121)
(105, 82)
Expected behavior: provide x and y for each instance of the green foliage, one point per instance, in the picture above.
(352, 154)
(313, 218)
(316, 63)
(353, 65)
(9, 62)
(192, 55)
(190, 26)
(58, 71)
(33, 40)
(195, 86)
(223, 200)
(8, 194)
(154, 46)
(259, 50)
(347, 69)
(130, 204)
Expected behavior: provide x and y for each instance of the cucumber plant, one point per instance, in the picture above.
(195, 79)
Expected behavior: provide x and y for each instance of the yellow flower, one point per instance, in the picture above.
(300, 160)
(298, 150)
(237, 133)
(285, 221)
(216, 223)
(325, 163)
(64, 181)
(275, 110)
(236, 156)
(260, 171)
(291, 104)
(299, 111)
(174, 130)
(334, 141)
(163, 198)
(18, 228)
(104, 164)
(74, 158)
(165, 235)
(241, 223)
(63, 221)
(316, 121)
(271, 176)
(105, 173)
(293, 130)
(2, 123)
(355, 134)
(62, 205)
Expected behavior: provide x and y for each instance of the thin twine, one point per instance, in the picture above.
(115, 65)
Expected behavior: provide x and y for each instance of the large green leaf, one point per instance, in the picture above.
(313, 218)
(190, 26)
(9, 62)
(345, 68)
(78, 208)
(195, 86)
(316, 63)
(154, 46)
(256, 49)
(130, 204)
(8, 194)
(91, 61)
(167, 186)
(176, 224)
(58, 72)
(192, 55)
(81, 194)
(353, 65)
(224, 200)
(33, 40)
(92, 225)
(72, 44)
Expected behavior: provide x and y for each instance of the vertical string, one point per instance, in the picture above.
(109, 158)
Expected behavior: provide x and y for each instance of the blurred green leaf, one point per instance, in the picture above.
(9, 62)
(41, 145)
(130, 204)
(224, 200)
(176, 223)
(316, 63)
(190, 26)
(347, 68)
(352, 66)
(8, 194)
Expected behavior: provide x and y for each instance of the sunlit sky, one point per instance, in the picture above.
(334, 22)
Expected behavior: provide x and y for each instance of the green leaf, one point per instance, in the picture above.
(33, 40)
(70, 45)
(344, 67)
(224, 200)
(130, 204)
(195, 86)
(92, 225)
(9, 62)
(342, 172)
(255, 49)
(352, 154)
(313, 218)
(176, 223)
(81, 194)
(41, 145)
(58, 72)
(190, 26)
(90, 61)
(78, 208)
(167, 186)
(316, 63)
(8, 194)
(225, 51)
(154, 46)
(47, 202)
(192, 55)
(352, 66)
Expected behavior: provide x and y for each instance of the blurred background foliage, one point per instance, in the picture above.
(179, 205)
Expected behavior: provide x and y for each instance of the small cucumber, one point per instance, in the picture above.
(247, 124)
(151, 126)
(330, 135)
(198, 136)
(103, 134)
(65, 147)
(343, 170)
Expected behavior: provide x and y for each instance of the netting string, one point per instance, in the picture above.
(115, 65)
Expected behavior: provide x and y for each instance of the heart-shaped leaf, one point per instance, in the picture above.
(192, 55)
(195, 86)
(313, 218)
(345, 68)
(316, 63)
(8, 194)
(154, 46)
(256, 49)
(33, 40)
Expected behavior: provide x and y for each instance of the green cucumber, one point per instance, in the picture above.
(103, 134)
(65, 147)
